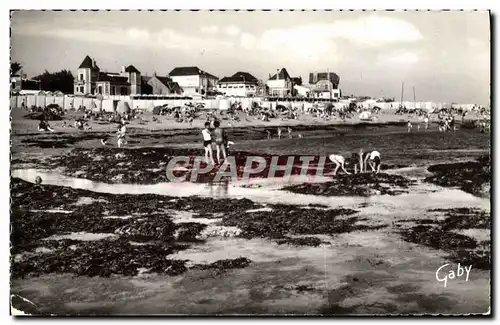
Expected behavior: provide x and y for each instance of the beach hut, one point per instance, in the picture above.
(123, 107)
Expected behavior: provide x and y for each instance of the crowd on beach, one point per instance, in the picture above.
(256, 110)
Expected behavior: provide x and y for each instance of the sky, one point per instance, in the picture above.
(444, 56)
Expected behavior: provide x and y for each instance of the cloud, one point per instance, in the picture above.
(232, 30)
(247, 41)
(375, 30)
(313, 41)
(400, 57)
(209, 29)
(138, 34)
(170, 38)
(166, 38)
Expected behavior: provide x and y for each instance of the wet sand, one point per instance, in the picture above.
(250, 247)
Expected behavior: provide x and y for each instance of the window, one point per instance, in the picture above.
(99, 89)
(241, 86)
(229, 86)
(81, 89)
(81, 76)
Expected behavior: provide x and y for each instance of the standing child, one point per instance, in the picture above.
(358, 159)
(121, 133)
(207, 143)
(409, 126)
(268, 135)
(220, 140)
(279, 133)
(290, 132)
(426, 121)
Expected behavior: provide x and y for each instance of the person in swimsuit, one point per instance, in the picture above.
(44, 126)
(452, 123)
(426, 122)
(357, 159)
(220, 141)
(121, 133)
(207, 143)
(339, 162)
(373, 159)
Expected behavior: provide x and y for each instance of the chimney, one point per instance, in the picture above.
(93, 63)
(123, 68)
(154, 74)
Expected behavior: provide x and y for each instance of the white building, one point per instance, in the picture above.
(325, 85)
(302, 91)
(194, 80)
(241, 84)
(90, 80)
(280, 84)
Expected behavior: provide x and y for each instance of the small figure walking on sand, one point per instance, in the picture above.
(268, 135)
(426, 121)
(290, 132)
(409, 126)
(279, 133)
(452, 123)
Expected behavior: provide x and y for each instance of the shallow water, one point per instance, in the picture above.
(422, 196)
(83, 236)
(381, 272)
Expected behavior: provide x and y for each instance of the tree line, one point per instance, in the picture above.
(61, 80)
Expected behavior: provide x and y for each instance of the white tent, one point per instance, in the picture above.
(123, 107)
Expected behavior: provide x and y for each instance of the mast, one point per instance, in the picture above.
(402, 90)
(414, 98)
(328, 79)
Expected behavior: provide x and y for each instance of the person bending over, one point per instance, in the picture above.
(373, 159)
(339, 162)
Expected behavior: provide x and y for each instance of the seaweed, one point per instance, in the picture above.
(364, 184)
